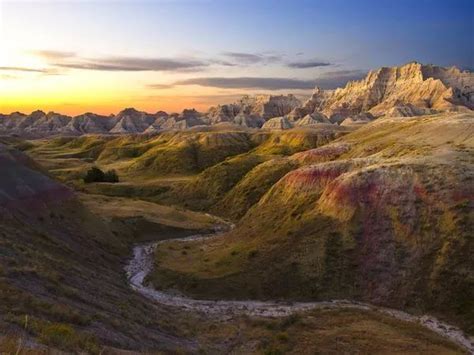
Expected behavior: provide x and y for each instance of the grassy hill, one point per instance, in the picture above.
(194, 169)
(62, 285)
(61, 270)
(383, 214)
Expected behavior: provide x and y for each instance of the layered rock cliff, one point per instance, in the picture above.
(410, 90)
(413, 89)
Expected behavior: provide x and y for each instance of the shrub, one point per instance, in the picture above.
(111, 176)
(94, 174)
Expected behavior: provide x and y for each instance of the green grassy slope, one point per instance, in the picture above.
(62, 286)
(383, 214)
(194, 168)
(216, 190)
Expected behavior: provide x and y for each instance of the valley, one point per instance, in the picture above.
(73, 295)
(341, 225)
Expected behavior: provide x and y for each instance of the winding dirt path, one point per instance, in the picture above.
(141, 264)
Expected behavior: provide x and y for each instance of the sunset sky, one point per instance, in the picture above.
(102, 56)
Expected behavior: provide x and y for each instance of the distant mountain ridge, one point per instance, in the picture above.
(413, 89)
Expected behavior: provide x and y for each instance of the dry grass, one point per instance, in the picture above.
(125, 208)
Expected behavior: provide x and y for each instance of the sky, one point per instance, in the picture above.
(102, 56)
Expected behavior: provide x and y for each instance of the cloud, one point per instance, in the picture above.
(25, 69)
(224, 63)
(132, 64)
(328, 80)
(251, 58)
(161, 86)
(246, 83)
(70, 60)
(338, 78)
(308, 64)
(52, 54)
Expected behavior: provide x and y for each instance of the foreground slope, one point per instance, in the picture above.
(383, 214)
(61, 280)
(63, 287)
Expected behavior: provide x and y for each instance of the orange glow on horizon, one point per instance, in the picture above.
(170, 106)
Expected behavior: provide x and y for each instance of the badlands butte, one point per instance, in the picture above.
(411, 90)
(364, 193)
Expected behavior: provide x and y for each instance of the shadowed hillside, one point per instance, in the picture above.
(61, 270)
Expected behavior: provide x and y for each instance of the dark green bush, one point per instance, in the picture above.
(94, 174)
(111, 176)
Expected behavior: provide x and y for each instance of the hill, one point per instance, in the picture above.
(61, 278)
(382, 214)
(63, 289)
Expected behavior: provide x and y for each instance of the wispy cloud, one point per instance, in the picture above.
(244, 83)
(308, 64)
(132, 64)
(25, 69)
(52, 54)
(161, 86)
(242, 58)
(70, 60)
(328, 80)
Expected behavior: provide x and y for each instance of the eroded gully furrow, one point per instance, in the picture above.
(141, 264)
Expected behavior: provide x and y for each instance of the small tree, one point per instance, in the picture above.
(94, 174)
(111, 176)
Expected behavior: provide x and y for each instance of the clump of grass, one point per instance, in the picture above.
(283, 337)
(63, 336)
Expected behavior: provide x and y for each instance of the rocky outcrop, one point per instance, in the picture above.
(363, 118)
(312, 119)
(89, 123)
(246, 120)
(222, 113)
(253, 111)
(132, 121)
(187, 119)
(268, 106)
(412, 89)
(278, 123)
(409, 90)
(37, 122)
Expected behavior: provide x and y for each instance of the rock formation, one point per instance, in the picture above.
(363, 118)
(311, 119)
(412, 89)
(409, 90)
(89, 123)
(278, 123)
(253, 111)
(132, 121)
